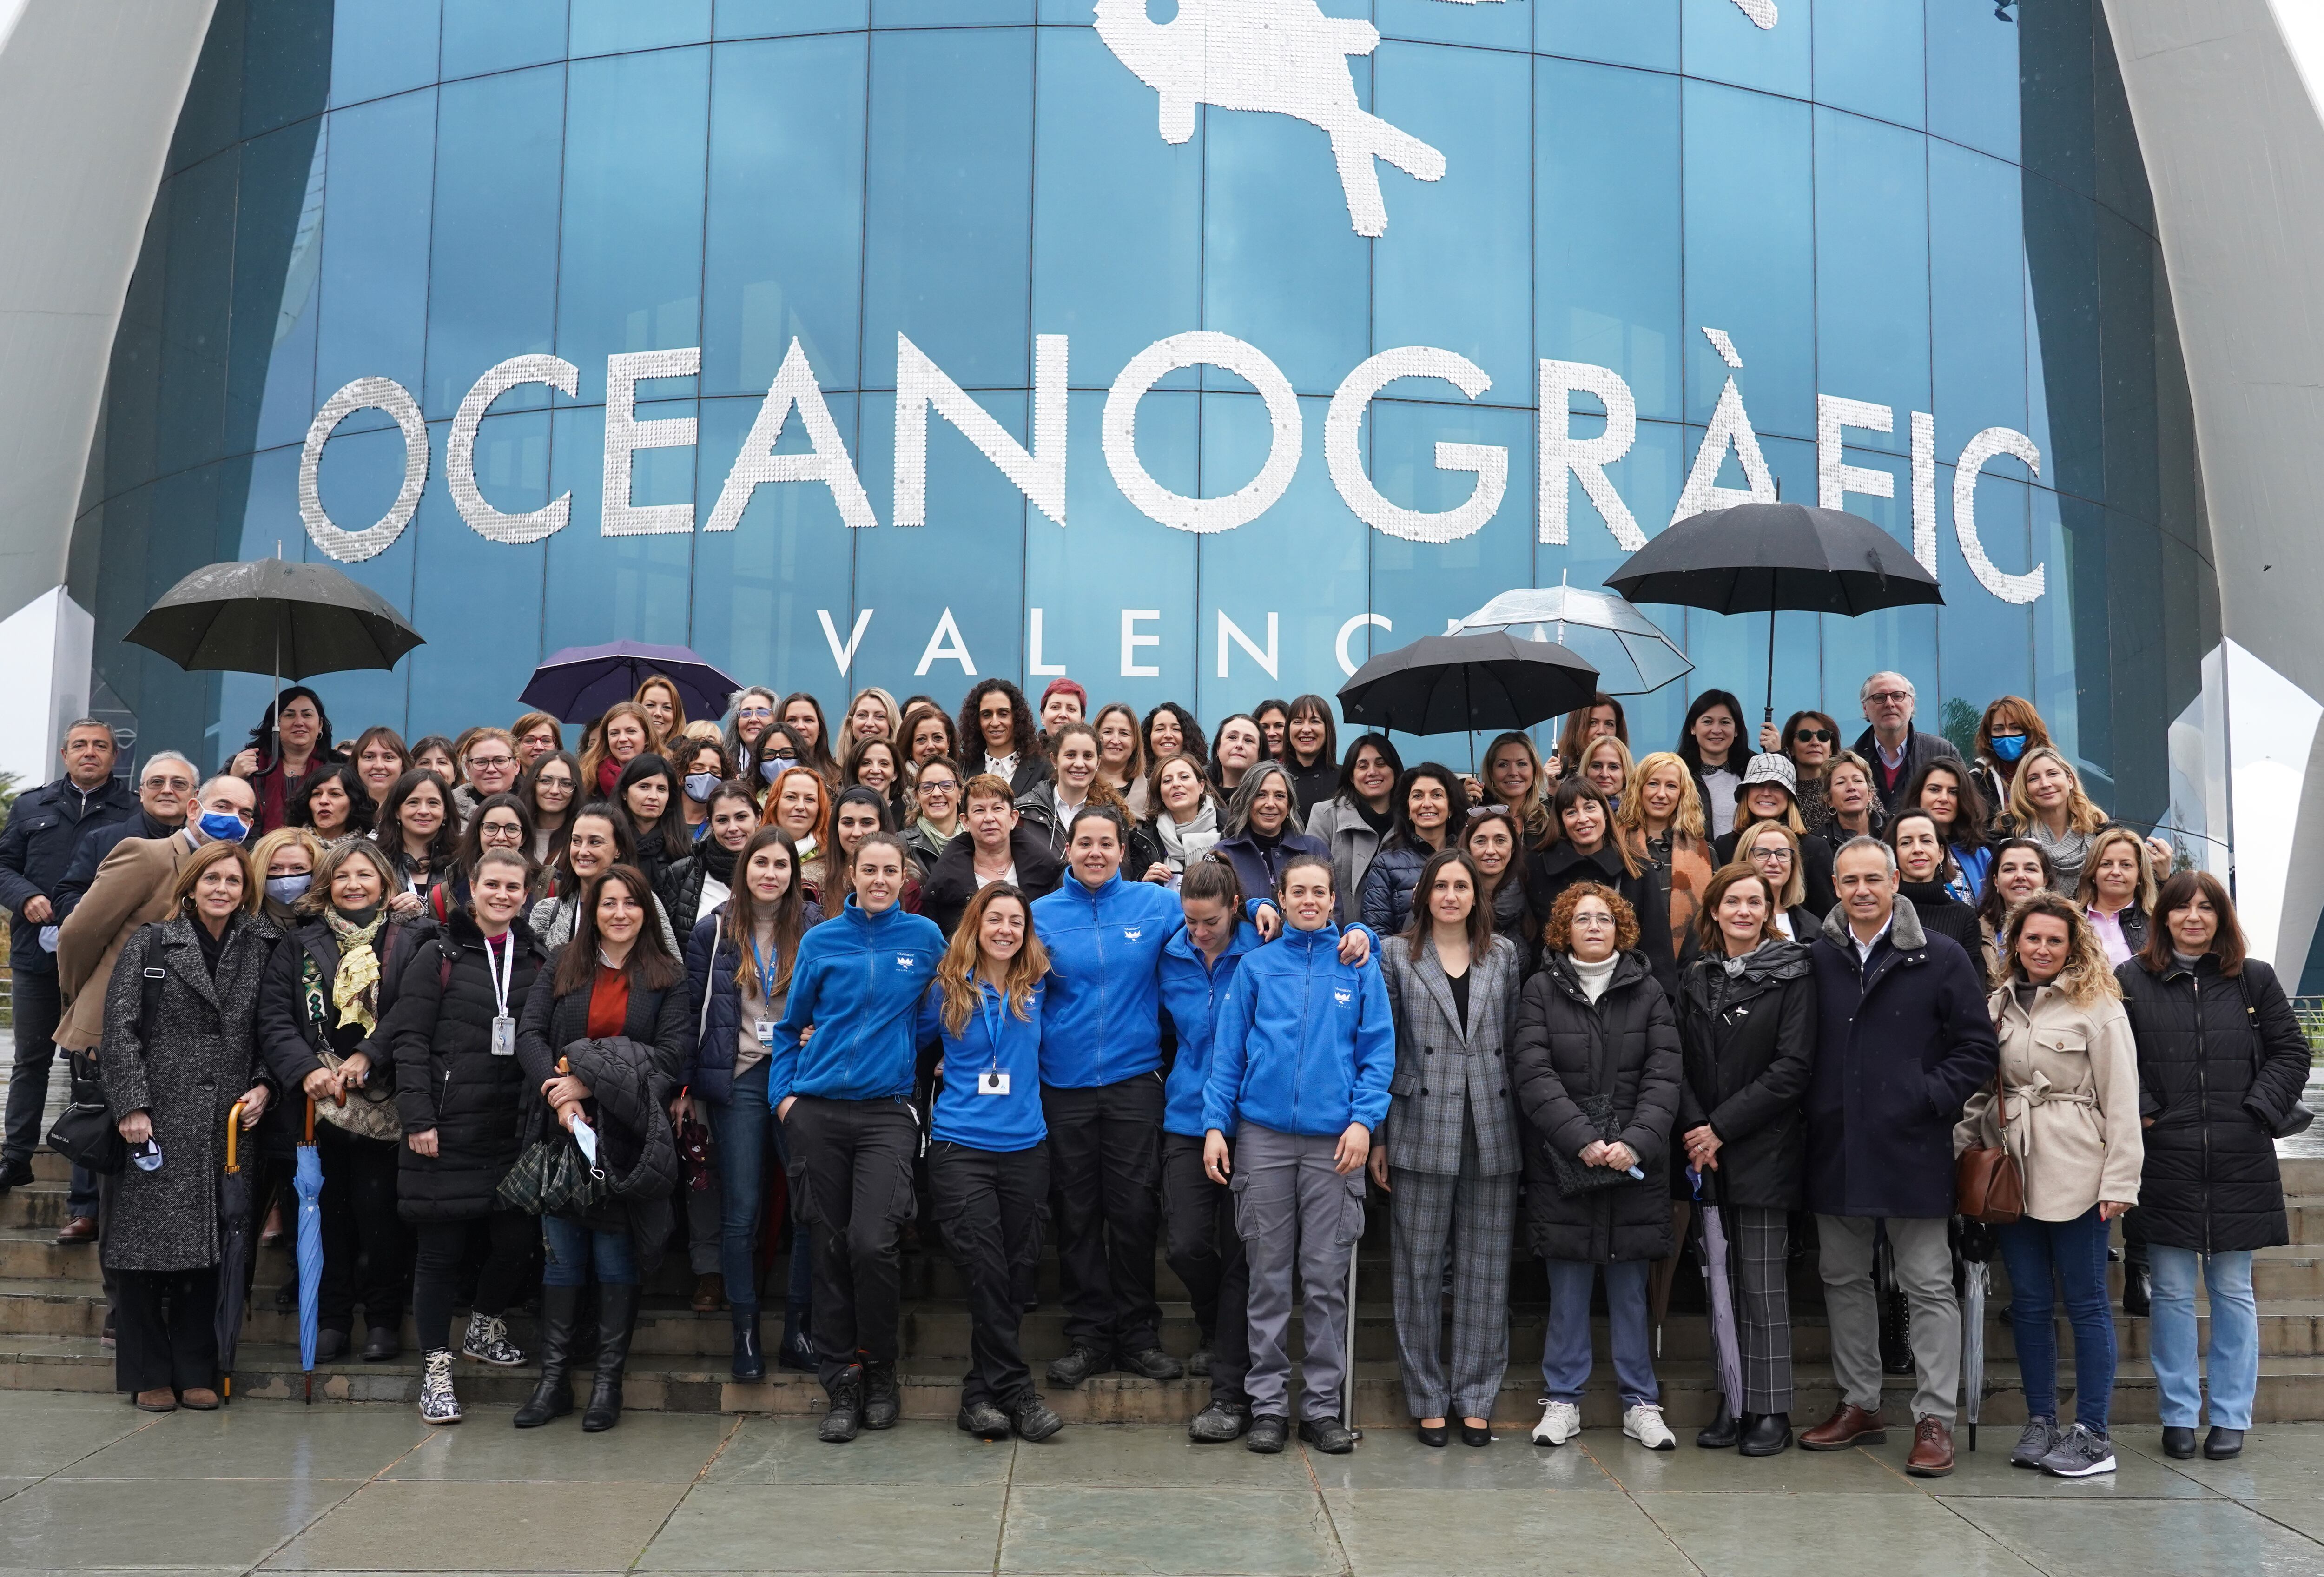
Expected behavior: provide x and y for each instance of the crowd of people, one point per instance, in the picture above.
(1000, 972)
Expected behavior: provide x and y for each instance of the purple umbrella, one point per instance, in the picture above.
(581, 681)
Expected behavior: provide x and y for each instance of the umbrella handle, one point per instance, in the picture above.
(310, 1119)
(232, 1137)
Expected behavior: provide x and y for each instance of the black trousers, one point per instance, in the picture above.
(443, 1245)
(1204, 1248)
(989, 1205)
(37, 1008)
(851, 1181)
(366, 1246)
(1104, 1159)
(165, 1330)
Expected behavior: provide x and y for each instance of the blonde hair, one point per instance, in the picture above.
(1686, 820)
(2086, 978)
(956, 971)
(262, 852)
(1796, 890)
(2082, 815)
(887, 706)
(2142, 897)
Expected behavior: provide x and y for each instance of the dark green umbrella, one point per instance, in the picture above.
(277, 616)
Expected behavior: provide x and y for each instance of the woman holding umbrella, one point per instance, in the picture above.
(171, 1078)
(1514, 778)
(1711, 743)
(291, 740)
(1746, 1020)
(665, 710)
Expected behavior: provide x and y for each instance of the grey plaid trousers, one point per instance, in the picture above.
(1763, 1305)
(1479, 1214)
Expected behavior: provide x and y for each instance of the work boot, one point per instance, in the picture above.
(1033, 1418)
(1077, 1366)
(844, 1416)
(552, 1396)
(1152, 1363)
(1267, 1435)
(1218, 1423)
(617, 1316)
(1328, 1435)
(883, 1404)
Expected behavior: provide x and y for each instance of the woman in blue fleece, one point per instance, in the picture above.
(1300, 1063)
(987, 1166)
(843, 1099)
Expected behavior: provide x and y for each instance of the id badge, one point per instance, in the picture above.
(764, 1028)
(992, 1082)
(503, 1036)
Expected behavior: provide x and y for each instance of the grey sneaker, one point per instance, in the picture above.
(487, 1342)
(2041, 1437)
(437, 1405)
(2079, 1453)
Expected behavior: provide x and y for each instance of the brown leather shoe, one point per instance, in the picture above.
(709, 1292)
(1849, 1425)
(80, 1228)
(164, 1400)
(1932, 1450)
(201, 1399)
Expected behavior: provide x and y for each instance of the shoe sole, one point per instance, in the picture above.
(1036, 1436)
(1262, 1450)
(1870, 1437)
(1668, 1445)
(976, 1432)
(1928, 1472)
(455, 1418)
(1545, 1440)
(1766, 1451)
(2106, 1466)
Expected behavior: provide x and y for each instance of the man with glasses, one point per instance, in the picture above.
(1896, 752)
(43, 826)
(491, 768)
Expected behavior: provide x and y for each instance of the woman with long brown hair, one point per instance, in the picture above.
(625, 733)
(1600, 719)
(988, 1153)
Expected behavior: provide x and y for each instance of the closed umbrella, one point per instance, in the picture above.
(1976, 1286)
(1463, 684)
(1631, 655)
(308, 1181)
(1718, 1287)
(234, 1251)
(581, 681)
(1771, 558)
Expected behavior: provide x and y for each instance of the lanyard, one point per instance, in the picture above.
(766, 976)
(993, 1011)
(501, 971)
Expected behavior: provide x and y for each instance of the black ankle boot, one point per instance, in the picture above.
(1721, 1433)
(750, 1354)
(553, 1397)
(1766, 1434)
(796, 1350)
(617, 1314)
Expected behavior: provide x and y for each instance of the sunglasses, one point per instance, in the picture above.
(1816, 735)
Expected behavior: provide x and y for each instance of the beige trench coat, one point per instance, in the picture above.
(2072, 1076)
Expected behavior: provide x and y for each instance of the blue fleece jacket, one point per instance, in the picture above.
(1101, 1015)
(995, 1040)
(858, 982)
(1304, 1042)
(1192, 989)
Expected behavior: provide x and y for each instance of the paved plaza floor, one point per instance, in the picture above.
(88, 1485)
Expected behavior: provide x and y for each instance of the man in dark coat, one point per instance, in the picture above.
(44, 825)
(992, 833)
(1902, 1040)
(1897, 751)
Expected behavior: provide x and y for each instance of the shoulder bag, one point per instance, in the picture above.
(84, 1132)
(1988, 1184)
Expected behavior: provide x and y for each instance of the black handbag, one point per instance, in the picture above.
(84, 1132)
(551, 1177)
(1567, 1171)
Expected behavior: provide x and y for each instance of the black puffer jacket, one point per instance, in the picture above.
(1626, 1046)
(1749, 1031)
(2220, 1061)
(447, 1077)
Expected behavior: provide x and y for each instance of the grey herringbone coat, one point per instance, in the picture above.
(200, 1056)
(1444, 1076)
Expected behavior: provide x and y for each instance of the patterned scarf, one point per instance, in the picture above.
(352, 987)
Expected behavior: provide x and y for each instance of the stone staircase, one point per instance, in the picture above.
(52, 1311)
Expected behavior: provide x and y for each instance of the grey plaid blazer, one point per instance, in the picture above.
(1443, 1076)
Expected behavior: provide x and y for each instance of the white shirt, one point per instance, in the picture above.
(1002, 767)
(1863, 949)
(983, 882)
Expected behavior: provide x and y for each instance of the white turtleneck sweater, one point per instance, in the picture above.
(1595, 977)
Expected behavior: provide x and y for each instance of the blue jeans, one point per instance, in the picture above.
(2073, 1252)
(1565, 1351)
(742, 1129)
(2234, 1336)
(574, 1249)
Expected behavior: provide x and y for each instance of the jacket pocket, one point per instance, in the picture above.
(1404, 1083)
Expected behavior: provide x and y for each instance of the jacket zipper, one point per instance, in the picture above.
(2203, 1101)
(1097, 935)
(1299, 1046)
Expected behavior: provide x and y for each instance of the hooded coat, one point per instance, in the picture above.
(1902, 1040)
(1626, 1045)
(1749, 1026)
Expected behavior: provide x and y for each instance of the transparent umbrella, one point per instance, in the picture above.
(1631, 655)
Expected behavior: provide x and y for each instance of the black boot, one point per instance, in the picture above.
(617, 1314)
(798, 1349)
(553, 1397)
(1766, 1434)
(750, 1354)
(1721, 1433)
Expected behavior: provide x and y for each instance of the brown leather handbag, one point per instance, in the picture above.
(1988, 1184)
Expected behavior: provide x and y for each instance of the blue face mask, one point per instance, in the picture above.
(774, 767)
(222, 826)
(289, 889)
(698, 786)
(2008, 747)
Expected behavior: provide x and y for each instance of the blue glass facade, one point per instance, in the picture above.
(1920, 205)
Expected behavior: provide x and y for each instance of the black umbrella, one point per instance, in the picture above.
(277, 616)
(234, 1250)
(1766, 557)
(1448, 684)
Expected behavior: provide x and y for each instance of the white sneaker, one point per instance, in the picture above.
(1643, 1423)
(1560, 1422)
(437, 1405)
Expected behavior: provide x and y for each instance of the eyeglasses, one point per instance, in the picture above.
(756, 712)
(1773, 856)
(1816, 736)
(1890, 695)
(182, 785)
(941, 786)
(490, 763)
(785, 758)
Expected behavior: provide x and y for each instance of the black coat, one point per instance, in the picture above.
(1901, 1042)
(1749, 1034)
(945, 891)
(1920, 750)
(2220, 1060)
(681, 887)
(1625, 1045)
(290, 1040)
(1038, 818)
(44, 826)
(1943, 915)
(447, 1077)
(1551, 870)
(1815, 870)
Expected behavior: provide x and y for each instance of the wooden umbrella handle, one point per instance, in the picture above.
(310, 1119)
(232, 1137)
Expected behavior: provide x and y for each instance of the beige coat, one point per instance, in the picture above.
(2071, 1073)
(132, 887)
